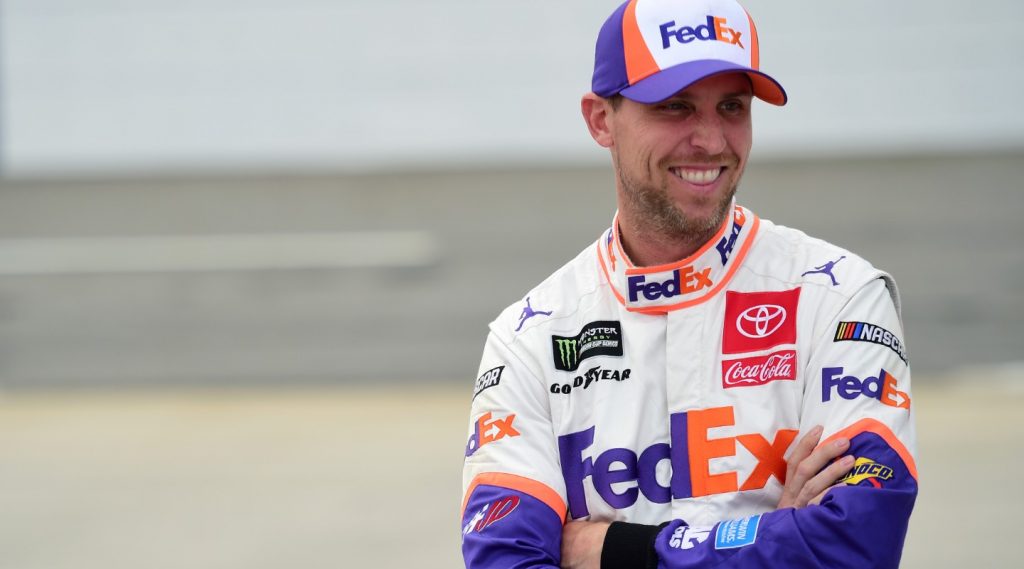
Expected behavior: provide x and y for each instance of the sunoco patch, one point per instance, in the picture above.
(867, 469)
(602, 338)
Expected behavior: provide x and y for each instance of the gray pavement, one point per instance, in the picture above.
(947, 227)
(370, 477)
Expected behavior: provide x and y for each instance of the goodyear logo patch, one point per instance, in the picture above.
(867, 469)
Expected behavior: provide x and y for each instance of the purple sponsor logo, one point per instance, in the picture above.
(826, 269)
(529, 312)
(714, 29)
(728, 243)
(682, 281)
(620, 475)
(881, 387)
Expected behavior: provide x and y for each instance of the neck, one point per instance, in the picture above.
(648, 248)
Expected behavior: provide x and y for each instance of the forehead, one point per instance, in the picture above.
(723, 84)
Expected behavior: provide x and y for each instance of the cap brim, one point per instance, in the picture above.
(668, 82)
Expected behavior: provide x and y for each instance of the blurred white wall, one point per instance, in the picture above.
(105, 86)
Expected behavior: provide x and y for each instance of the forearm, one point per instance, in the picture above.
(861, 523)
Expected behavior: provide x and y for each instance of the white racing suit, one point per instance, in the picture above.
(676, 393)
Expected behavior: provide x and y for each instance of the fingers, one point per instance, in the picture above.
(803, 449)
(812, 469)
(815, 488)
(795, 478)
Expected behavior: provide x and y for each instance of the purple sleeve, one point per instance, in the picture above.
(509, 529)
(859, 524)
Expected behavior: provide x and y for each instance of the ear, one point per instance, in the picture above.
(597, 113)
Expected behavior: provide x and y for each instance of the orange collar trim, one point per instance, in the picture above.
(691, 281)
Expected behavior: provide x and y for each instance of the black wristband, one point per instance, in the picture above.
(629, 546)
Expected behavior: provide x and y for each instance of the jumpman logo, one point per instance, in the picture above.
(529, 312)
(826, 269)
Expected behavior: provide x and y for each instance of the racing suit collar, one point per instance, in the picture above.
(693, 280)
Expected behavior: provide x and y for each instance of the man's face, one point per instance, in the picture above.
(679, 161)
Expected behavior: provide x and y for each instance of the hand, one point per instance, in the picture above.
(582, 543)
(806, 482)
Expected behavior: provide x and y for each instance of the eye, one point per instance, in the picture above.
(674, 107)
(732, 107)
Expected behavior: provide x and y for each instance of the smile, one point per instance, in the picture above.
(699, 176)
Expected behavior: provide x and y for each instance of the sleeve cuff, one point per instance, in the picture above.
(629, 546)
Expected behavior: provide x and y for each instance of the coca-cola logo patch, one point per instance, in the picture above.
(759, 320)
(759, 370)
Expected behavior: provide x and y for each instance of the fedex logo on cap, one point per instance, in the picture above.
(714, 30)
(644, 42)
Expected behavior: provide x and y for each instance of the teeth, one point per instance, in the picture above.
(698, 176)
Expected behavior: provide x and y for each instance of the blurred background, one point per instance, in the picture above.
(249, 250)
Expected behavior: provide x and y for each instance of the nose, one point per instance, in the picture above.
(708, 134)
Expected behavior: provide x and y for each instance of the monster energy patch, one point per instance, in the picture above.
(602, 338)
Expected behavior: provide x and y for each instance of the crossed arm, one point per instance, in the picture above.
(812, 471)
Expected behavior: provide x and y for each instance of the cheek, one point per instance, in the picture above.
(636, 148)
(740, 140)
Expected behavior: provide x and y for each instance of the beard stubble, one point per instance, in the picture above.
(661, 218)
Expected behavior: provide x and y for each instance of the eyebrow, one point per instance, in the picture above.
(687, 98)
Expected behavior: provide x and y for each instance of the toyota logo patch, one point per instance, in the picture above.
(761, 320)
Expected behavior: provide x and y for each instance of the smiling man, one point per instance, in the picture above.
(701, 387)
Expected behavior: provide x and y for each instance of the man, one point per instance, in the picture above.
(701, 387)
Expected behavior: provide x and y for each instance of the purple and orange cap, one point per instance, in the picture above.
(648, 50)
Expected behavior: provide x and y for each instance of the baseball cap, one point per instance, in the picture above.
(648, 50)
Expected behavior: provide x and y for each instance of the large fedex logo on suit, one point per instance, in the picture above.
(755, 323)
(689, 452)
